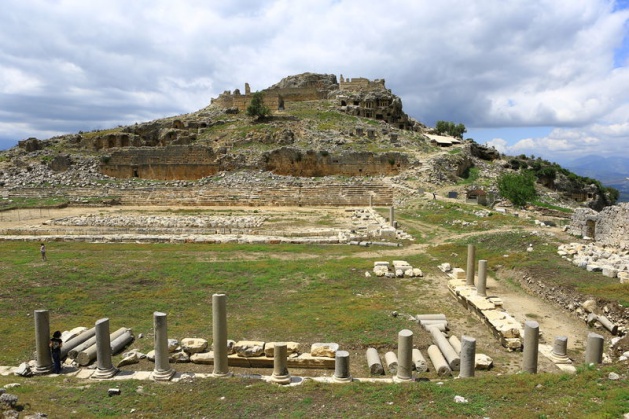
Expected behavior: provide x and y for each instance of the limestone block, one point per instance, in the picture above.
(458, 273)
(381, 263)
(589, 306)
(399, 273)
(206, 358)
(593, 268)
(409, 273)
(180, 356)
(445, 267)
(249, 348)
(610, 271)
(417, 272)
(193, 345)
(173, 345)
(380, 270)
(483, 362)
(150, 355)
(291, 348)
(401, 264)
(623, 277)
(327, 350)
(131, 358)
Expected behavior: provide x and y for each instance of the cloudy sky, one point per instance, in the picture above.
(545, 77)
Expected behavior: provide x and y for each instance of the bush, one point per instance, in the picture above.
(519, 188)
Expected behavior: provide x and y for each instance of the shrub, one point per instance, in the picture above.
(519, 188)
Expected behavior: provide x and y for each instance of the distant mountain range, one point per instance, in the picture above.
(611, 171)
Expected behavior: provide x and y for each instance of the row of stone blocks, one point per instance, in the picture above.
(219, 195)
(488, 309)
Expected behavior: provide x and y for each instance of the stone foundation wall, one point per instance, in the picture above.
(286, 161)
(608, 227)
(296, 194)
(196, 162)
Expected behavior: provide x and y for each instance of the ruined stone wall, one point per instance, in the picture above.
(608, 227)
(286, 161)
(196, 162)
(274, 98)
(167, 163)
(303, 193)
(361, 84)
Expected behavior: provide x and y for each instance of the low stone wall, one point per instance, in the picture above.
(303, 193)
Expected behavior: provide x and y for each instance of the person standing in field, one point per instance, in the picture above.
(42, 250)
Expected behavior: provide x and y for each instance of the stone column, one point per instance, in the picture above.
(594, 348)
(531, 342)
(162, 370)
(559, 355)
(405, 355)
(471, 259)
(374, 363)
(370, 200)
(280, 370)
(219, 334)
(481, 286)
(105, 367)
(42, 340)
(468, 356)
(392, 216)
(419, 361)
(341, 367)
(454, 361)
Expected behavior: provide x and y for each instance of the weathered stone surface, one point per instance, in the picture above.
(291, 348)
(249, 348)
(327, 350)
(193, 345)
(483, 362)
(173, 345)
(589, 306)
(180, 356)
(203, 358)
(131, 358)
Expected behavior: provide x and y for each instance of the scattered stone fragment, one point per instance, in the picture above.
(327, 350)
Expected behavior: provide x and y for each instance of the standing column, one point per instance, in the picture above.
(280, 370)
(105, 367)
(341, 367)
(530, 351)
(392, 217)
(162, 370)
(42, 339)
(594, 348)
(370, 200)
(468, 356)
(219, 334)
(481, 286)
(405, 355)
(471, 259)
(559, 354)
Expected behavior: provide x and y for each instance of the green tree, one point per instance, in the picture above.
(519, 188)
(256, 108)
(450, 128)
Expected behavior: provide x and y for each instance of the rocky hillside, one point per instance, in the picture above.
(353, 130)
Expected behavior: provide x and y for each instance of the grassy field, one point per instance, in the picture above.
(287, 292)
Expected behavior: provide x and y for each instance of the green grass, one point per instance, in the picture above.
(585, 395)
(303, 293)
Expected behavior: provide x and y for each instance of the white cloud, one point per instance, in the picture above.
(75, 65)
